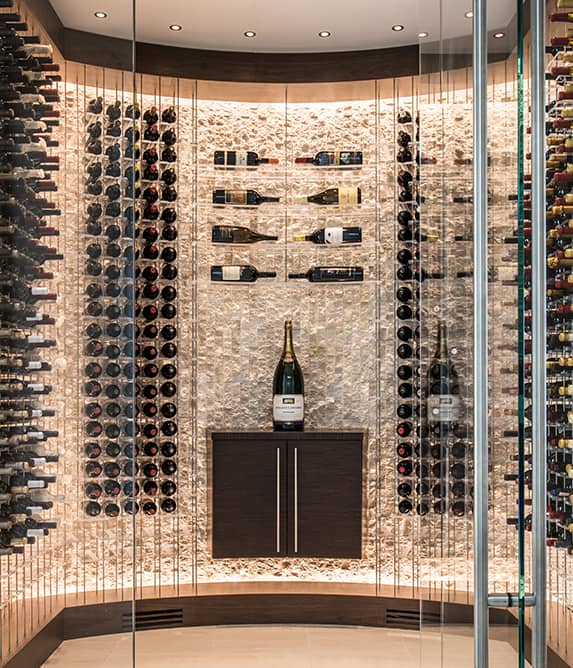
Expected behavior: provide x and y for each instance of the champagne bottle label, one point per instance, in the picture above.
(288, 408)
(347, 196)
(444, 407)
(232, 273)
(235, 197)
(333, 236)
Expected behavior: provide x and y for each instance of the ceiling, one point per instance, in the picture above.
(288, 26)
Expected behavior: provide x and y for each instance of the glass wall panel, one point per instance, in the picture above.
(68, 362)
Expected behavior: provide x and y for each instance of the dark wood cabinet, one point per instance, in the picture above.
(296, 495)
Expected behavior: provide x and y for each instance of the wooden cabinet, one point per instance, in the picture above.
(296, 495)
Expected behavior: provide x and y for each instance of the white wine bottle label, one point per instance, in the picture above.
(235, 196)
(333, 235)
(241, 158)
(347, 196)
(288, 408)
(232, 273)
(444, 407)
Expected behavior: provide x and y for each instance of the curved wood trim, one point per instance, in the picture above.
(206, 65)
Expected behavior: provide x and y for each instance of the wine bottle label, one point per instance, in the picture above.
(240, 158)
(235, 197)
(444, 407)
(333, 236)
(288, 408)
(347, 196)
(232, 273)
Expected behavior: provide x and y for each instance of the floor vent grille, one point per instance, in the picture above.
(153, 619)
(411, 619)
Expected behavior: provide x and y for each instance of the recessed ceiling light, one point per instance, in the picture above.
(498, 35)
(324, 33)
(469, 15)
(423, 34)
(100, 15)
(175, 27)
(250, 33)
(397, 28)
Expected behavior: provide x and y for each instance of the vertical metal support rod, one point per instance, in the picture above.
(480, 334)
(538, 331)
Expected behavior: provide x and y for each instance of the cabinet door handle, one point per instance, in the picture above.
(278, 500)
(296, 499)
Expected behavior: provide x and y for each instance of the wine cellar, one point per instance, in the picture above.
(162, 231)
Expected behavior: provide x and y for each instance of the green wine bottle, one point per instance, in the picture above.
(288, 388)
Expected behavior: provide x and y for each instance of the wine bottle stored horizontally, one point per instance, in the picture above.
(288, 388)
(333, 236)
(234, 234)
(333, 159)
(241, 159)
(247, 197)
(238, 273)
(333, 197)
(332, 274)
(443, 392)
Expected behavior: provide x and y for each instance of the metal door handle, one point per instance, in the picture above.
(296, 499)
(278, 500)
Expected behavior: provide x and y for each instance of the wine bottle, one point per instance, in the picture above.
(333, 159)
(332, 274)
(232, 159)
(443, 392)
(288, 388)
(234, 234)
(240, 198)
(245, 273)
(333, 236)
(333, 197)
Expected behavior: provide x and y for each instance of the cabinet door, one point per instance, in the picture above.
(325, 498)
(249, 498)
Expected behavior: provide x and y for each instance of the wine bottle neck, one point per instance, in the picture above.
(442, 344)
(267, 274)
(288, 351)
(270, 199)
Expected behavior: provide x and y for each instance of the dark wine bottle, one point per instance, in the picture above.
(333, 236)
(240, 159)
(333, 197)
(245, 273)
(234, 234)
(288, 388)
(240, 198)
(443, 392)
(333, 159)
(332, 274)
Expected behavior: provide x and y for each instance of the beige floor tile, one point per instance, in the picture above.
(280, 647)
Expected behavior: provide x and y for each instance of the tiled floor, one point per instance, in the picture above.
(280, 647)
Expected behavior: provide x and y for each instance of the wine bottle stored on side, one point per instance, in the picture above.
(231, 159)
(443, 392)
(332, 274)
(288, 388)
(234, 234)
(333, 159)
(333, 197)
(333, 236)
(249, 197)
(238, 273)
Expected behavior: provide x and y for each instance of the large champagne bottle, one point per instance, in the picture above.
(443, 400)
(288, 388)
